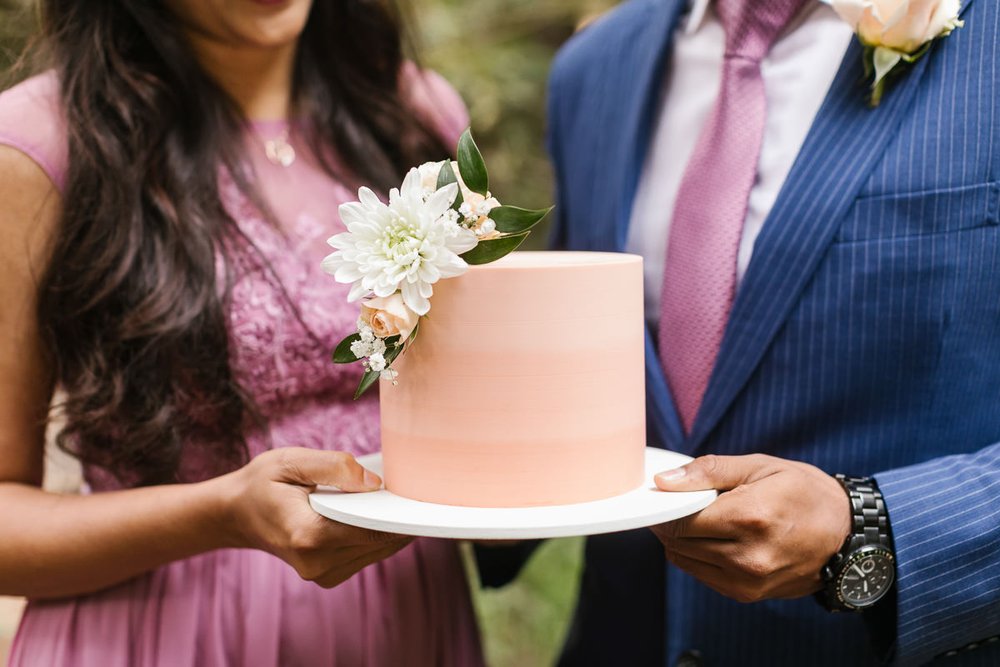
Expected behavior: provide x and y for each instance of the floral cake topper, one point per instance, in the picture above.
(442, 219)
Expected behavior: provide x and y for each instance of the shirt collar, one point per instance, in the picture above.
(698, 10)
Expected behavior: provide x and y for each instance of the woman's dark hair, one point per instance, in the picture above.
(130, 303)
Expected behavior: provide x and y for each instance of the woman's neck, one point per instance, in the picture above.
(259, 80)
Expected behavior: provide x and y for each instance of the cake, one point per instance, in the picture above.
(524, 387)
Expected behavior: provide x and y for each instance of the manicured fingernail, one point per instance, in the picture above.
(372, 480)
(671, 475)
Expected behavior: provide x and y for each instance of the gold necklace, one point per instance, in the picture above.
(279, 151)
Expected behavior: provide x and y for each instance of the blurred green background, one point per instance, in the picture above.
(497, 53)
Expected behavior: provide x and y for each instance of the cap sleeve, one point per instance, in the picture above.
(434, 98)
(31, 121)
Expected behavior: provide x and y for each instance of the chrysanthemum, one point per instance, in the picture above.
(407, 245)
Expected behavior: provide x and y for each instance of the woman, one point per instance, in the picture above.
(165, 193)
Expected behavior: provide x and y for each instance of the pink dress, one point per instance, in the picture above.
(245, 607)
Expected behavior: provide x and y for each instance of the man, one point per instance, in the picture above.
(823, 286)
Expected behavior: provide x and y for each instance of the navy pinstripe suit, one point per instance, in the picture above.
(865, 339)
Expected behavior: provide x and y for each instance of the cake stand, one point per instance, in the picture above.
(385, 511)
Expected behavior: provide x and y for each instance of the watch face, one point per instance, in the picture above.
(867, 576)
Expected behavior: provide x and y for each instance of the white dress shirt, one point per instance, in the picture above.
(797, 75)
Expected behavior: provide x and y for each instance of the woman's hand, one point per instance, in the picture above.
(268, 509)
(774, 526)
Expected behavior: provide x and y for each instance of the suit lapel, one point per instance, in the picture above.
(640, 113)
(841, 149)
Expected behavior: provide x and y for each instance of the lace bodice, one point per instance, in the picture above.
(286, 314)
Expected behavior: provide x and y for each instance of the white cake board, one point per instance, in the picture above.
(387, 512)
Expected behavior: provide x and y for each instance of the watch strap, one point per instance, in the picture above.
(869, 519)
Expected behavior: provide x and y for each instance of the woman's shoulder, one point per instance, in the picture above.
(31, 120)
(430, 95)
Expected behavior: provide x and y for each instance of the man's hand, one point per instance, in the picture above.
(774, 526)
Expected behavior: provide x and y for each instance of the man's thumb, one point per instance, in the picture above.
(721, 473)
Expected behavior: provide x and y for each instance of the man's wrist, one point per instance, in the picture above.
(863, 571)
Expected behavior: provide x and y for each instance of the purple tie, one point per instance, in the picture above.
(699, 282)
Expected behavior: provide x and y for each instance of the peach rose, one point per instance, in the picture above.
(903, 26)
(389, 316)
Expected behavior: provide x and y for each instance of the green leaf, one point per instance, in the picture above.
(392, 350)
(884, 60)
(343, 354)
(492, 250)
(367, 381)
(878, 90)
(919, 53)
(513, 219)
(446, 177)
(867, 59)
(471, 165)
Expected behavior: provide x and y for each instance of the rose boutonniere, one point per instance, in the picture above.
(442, 219)
(896, 33)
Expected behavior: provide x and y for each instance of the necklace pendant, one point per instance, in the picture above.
(279, 151)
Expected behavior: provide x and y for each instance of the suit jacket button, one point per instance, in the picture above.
(690, 658)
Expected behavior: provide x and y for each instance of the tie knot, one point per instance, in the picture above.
(752, 26)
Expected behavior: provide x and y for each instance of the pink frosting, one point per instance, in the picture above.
(525, 385)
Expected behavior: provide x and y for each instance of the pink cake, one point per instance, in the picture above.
(525, 385)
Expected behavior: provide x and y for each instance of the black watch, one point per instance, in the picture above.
(863, 571)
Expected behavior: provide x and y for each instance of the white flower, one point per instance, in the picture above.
(376, 363)
(477, 206)
(407, 245)
(486, 229)
(429, 176)
(475, 212)
(389, 374)
(486, 205)
(361, 348)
